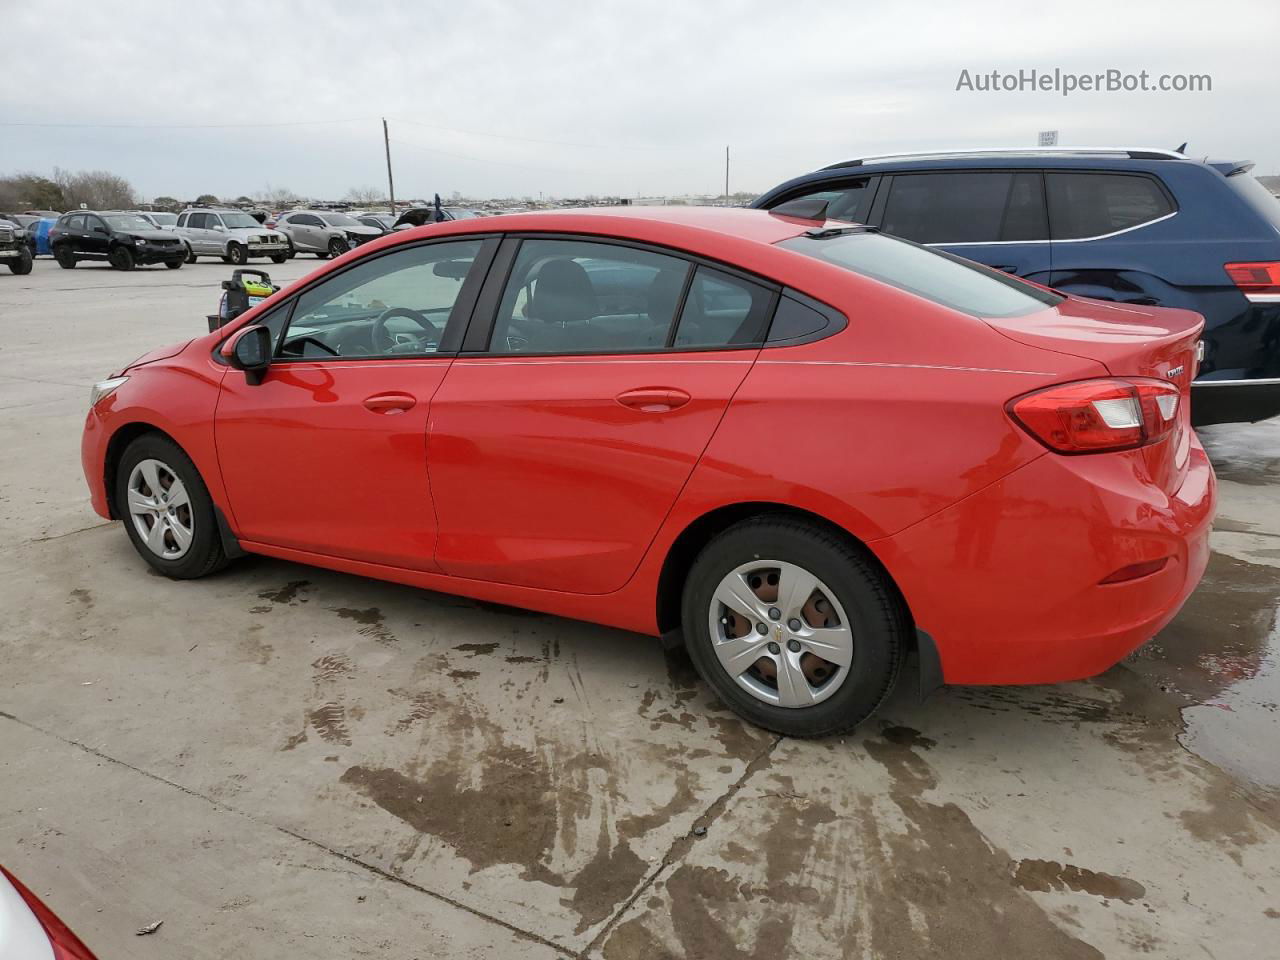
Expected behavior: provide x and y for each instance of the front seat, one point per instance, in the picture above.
(563, 301)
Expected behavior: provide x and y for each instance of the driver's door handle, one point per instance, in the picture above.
(390, 402)
(654, 399)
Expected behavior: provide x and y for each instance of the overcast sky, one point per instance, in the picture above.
(567, 98)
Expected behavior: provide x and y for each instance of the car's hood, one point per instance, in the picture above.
(251, 233)
(151, 234)
(160, 353)
(362, 230)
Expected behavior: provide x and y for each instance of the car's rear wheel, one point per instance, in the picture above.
(238, 254)
(167, 510)
(21, 265)
(66, 259)
(121, 258)
(793, 626)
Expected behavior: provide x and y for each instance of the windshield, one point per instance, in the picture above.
(459, 214)
(164, 219)
(932, 274)
(239, 221)
(128, 221)
(339, 220)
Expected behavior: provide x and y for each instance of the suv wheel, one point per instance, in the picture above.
(238, 254)
(167, 510)
(121, 258)
(338, 246)
(22, 265)
(173, 264)
(66, 259)
(191, 254)
(280, 257)
(795, 628)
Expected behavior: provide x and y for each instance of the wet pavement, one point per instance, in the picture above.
(281, 761)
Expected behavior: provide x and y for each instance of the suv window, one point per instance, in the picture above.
(849, 200)
(305, 220)
(75, 223)
(965, 207)
(580, 296)
(182, 219)
(932, 274)
(1095, 204)
(198, 221)
(394, 305)
(723, 310)
(94, 223)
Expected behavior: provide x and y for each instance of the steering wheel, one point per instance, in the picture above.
(384, 341)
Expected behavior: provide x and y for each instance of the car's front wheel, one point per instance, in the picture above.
(121, 258)
(191, 255)
(338, 246)
(167, 510)
(173, 264)
(279, 257)
(794, 626)
(21, 264)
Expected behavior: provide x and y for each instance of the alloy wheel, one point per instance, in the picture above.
(781, 633)
(160, 509)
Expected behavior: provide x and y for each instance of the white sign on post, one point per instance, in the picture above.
(1048, 138)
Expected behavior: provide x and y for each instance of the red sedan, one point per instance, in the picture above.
(809, 448)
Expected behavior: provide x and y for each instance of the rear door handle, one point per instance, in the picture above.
(390, 403)
(654, 399)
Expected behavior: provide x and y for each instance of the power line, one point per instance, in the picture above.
(175, 126)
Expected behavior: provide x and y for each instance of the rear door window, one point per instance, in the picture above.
(1087, 205)
(947, 207)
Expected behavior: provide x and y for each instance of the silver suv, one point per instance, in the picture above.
(323, 232)
(232, 235)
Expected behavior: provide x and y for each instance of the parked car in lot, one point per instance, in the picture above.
(323, 232)
(232, 235)
(382, 222)
(807, 448)
(1141, 227)
(418, 216)
(29, 930)
(124, 240)
(158, 218)
(15, 248)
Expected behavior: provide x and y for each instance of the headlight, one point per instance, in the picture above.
(104, 388)
(139, 241)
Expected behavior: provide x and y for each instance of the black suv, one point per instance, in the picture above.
(123, 240)
(14, 249)
(1135, 226)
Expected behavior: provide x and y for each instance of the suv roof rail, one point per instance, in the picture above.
(1143, 153)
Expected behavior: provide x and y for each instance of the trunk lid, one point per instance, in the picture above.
(1159, 343)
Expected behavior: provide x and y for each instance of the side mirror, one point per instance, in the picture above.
(220, 228)
(249, 349)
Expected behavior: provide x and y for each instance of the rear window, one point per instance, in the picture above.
(932, 274)
(1256, 196)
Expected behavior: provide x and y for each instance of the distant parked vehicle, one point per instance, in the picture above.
(14, 250)
(124, 240)
(324, 233)
(233, 235)
(379, 221)
(1141, 227)
(420, 216)
(162, 220)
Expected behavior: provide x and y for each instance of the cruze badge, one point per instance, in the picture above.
(1175, 372)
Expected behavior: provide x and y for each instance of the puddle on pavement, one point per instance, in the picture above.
(1220, 658)
(1245, 453)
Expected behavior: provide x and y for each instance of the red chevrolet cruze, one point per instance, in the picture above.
(806, 447)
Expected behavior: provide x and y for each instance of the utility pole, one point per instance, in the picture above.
(726, 176)
(391, 184)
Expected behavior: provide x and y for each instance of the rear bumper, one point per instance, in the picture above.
(1234, 401)
(1008, 581)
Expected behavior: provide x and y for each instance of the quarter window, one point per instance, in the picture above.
(1095, 204)
(578, 296)
(723, 310)
(397, 304)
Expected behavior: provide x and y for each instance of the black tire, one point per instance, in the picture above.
(66, 259)
(121, 258)
(173, 264)
(338, 246)
(280, 258)
(22, 265)
(877, 618)
(205, 554)
(237, 254)
(191, 255)
(322, 254)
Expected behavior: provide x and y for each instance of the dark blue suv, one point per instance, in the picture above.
(1130, 226)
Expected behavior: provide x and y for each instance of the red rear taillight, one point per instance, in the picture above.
(1257, 281)
(1093, 416)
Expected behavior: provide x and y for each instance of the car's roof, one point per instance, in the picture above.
(757, 225)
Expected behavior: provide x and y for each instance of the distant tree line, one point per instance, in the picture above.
(66, 190)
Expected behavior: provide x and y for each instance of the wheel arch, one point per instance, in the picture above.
(124, 435)
(697, 534)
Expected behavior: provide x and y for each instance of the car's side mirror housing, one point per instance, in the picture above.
(220, 228)
(249, 349)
